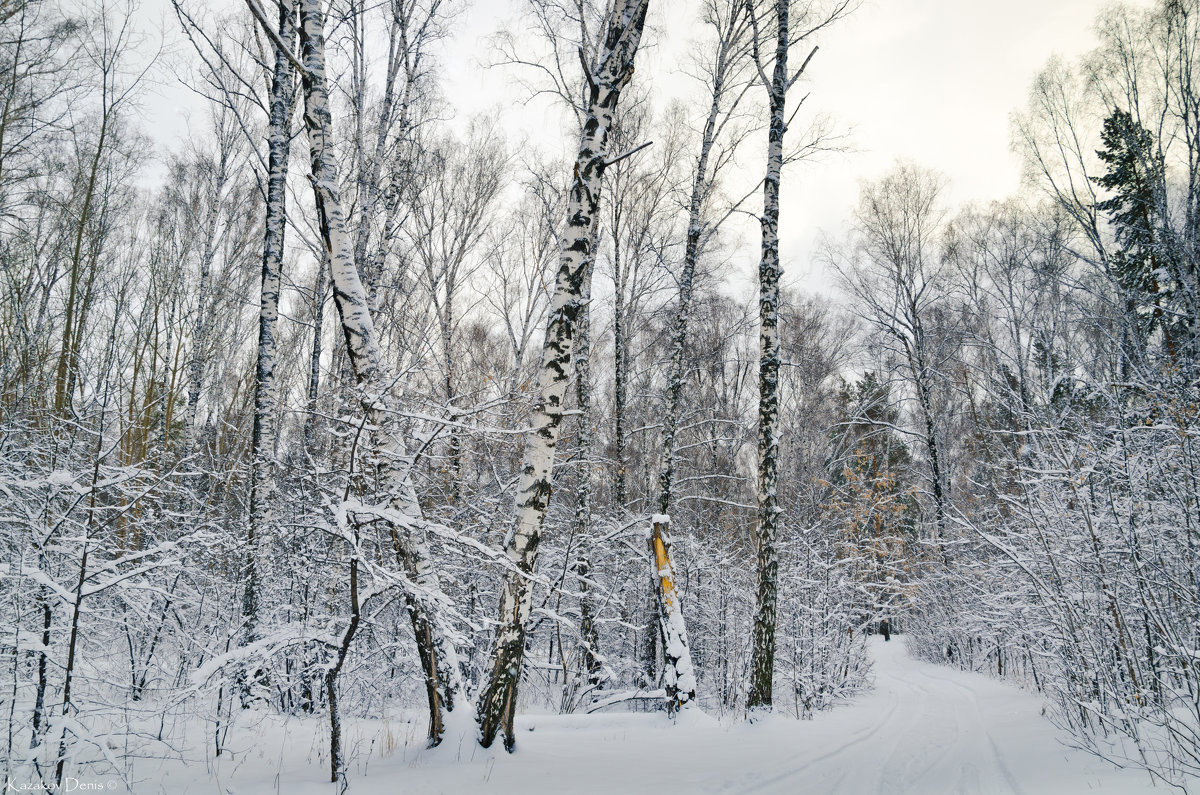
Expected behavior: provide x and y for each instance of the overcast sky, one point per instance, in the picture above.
(933, 81)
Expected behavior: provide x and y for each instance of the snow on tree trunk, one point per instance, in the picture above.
(262, 482)
(702, 184)
(614, 68)
(589, 637)
(679, 677)
(426, 601)
(620, 374)
(762, 661)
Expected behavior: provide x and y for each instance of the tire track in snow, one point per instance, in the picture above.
(992, 748)
(864, 736)
(932, 737)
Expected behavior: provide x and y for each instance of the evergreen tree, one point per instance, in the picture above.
(1136, 176)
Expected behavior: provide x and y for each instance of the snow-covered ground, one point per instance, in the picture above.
(924, 729)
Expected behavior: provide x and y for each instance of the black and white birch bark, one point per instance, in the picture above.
(589, 637)
(613, 70)
(262, 481)
(783, 32)
(402, 512)
(762, 660)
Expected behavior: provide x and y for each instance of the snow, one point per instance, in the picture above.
(923, 729)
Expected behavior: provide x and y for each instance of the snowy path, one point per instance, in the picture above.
(924, 730)
(929, 729)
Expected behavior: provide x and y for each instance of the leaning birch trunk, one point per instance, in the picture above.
(613, 70)
(262, 483)
(762, 660)
(425, 600)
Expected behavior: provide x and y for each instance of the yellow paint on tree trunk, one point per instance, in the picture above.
(662, 559)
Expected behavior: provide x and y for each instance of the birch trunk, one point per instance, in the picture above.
(314, 357)
(402, 511)
(762, 660)
(589, 637)
(679, 677)
(262, 482)
(613, 70)
(620, 372)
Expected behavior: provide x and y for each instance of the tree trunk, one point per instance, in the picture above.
(762, 661)
(614, 68)
(679, 677)
(620, 375)
(335, 719)
(702, 184)
(262, 482)
(314, 359)
(589, 637)
(402, 511)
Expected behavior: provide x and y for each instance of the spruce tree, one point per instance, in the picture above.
(1136, 176)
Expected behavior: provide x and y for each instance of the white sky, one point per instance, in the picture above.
(932, 81)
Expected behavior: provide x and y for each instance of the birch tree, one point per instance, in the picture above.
(402, 513)
(777, 27)
(606, 78)
(263, 435)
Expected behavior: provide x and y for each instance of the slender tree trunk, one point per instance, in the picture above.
(670, 609)
(335, 719)
(72, 643)
(76, 611)
(454, 442)
(935, 460)
(589, 636)
(39, 702)
(762, 661)
(314, 359)
(614, 68)
(402, 510)
(200, 331)
(262, 482)
(620, 376)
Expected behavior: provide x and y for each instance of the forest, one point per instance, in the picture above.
(348, 405)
